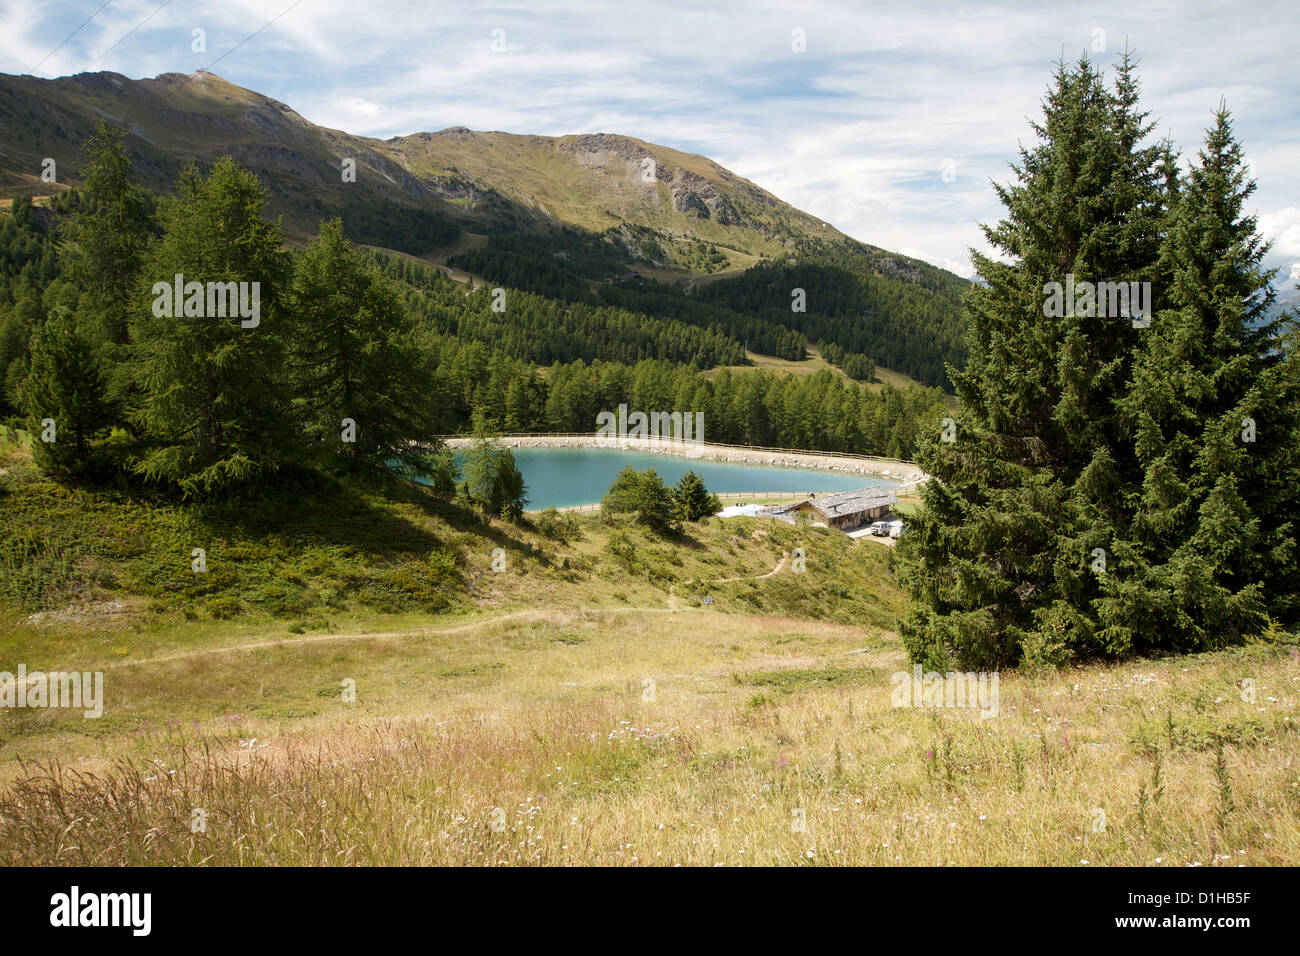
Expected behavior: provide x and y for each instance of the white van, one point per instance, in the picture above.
(895, 528)
(879, 528)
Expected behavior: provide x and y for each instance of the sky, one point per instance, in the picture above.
(888, 120)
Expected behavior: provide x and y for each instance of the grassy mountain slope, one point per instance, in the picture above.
(586, 691)
(600, 181)
(175, 119)
(488, 180)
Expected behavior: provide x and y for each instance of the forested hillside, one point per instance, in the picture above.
(384, 349)
(871, 309)
(912, 326)
(569, 218)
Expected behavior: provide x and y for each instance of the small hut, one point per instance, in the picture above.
(845, 510)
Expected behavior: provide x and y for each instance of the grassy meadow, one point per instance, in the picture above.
(607, 698)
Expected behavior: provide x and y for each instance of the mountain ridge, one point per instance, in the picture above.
(574, 218)
(484, 180)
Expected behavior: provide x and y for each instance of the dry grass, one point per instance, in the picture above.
(519, 728)
(531, 741)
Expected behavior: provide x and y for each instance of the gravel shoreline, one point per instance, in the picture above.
(908, 475)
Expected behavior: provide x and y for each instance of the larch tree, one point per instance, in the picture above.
(111, 232)
(362, 387)
(64, 394)
(214, 405)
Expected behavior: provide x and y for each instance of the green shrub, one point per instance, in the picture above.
(560, 526)
(224, 608)
(623, 550)
(643, 495)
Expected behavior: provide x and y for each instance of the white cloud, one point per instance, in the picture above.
(854, 130)
(1282, 228)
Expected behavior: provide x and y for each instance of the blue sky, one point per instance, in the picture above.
(857, 128)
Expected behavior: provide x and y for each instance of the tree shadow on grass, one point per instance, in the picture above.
(316, 510)
(462, 519)
(378, 517)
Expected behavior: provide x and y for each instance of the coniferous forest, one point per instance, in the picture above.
(350, 333)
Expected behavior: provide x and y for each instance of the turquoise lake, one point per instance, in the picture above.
(580, 476)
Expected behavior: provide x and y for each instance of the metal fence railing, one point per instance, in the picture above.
(705, 444)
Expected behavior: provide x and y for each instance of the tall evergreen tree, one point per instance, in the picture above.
(1215, 412)
(1274, 491)
(354, 356)
(111, 231)
(1027, 479)
(214, 406)
(1133, 213)
(65, 388)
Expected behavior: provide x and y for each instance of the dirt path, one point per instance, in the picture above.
(757, 577)
(531, 614)
(536, 614)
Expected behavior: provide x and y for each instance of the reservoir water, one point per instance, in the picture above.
(580, 476)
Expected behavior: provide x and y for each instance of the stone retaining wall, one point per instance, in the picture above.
(907, 474)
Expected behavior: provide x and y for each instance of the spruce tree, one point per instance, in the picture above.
(1214, 411)
(1134, 212)
(694, 501)
(1027, 478)
(1274, 491)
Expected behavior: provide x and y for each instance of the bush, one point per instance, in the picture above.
(644, 495)
(556, 525)
(224, 608)
(622, 548)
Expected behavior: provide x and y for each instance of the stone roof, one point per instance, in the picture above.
(842, 503)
